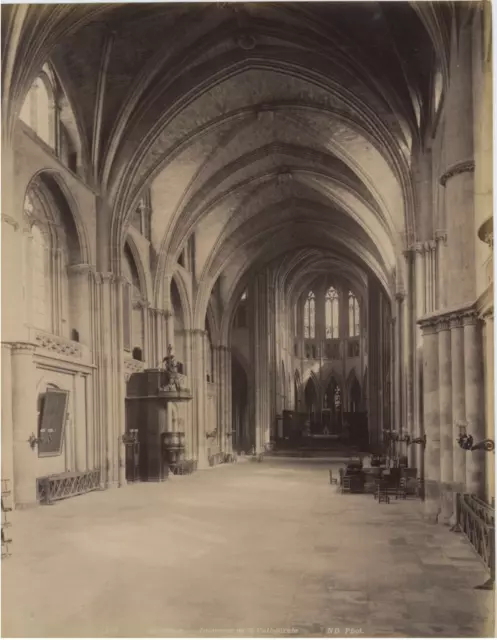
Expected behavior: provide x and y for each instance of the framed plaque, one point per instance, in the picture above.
(53, 417)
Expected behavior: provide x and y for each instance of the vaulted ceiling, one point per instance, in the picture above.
(263, 127)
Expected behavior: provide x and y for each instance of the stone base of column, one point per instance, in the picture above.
(447, 505)
(432, 508)
(22, 506)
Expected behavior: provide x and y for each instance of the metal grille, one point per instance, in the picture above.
(66, 485)
(477, 521)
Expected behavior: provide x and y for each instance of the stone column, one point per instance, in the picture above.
(409, 327)
(489, 404)
(431, 420)
(441, 260)
(260, 357)
(6, 413)
(374, 369)
(445, 413)
(473, 386)
(458, 400)
(190, 435)
(111, 373)
(458, 177)
(79, 300)
(199, 404)
(24, 422)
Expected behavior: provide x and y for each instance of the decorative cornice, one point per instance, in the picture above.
(466, 166)
(27, 347)
(10, 221)
(58, 344)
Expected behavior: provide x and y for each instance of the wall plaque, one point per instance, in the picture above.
(53, 416)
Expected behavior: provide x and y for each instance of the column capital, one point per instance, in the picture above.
(23, 347)
(400, 296)
(103, 277)
(464, 166)
(224, 348)
(444, 324)
(80, 269)
(428, 326)
(198, 332)
(470, 318)
(455, 320)
(140, 304)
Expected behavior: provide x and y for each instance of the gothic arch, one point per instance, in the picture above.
(143, 273)
(59, 199)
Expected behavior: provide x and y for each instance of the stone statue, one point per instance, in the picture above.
(175, 379)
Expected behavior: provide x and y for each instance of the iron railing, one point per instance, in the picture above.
(66, 485)
(476, 519)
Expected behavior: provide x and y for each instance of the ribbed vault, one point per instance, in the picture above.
(265, 129)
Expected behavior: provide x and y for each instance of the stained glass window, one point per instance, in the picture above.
(331, 313)
(354, 320)
(310, 316)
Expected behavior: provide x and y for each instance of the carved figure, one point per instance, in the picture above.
(175, 379)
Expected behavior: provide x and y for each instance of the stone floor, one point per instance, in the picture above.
(240, 550)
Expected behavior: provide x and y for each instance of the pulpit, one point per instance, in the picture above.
(147, 396)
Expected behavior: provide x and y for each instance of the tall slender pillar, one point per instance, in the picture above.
(260, 356)
(458, 177)
(111, 376)
(473, 386)
(431, 420)
(190, 435)
(198, 384)
(458, 400)
(25, 423)
(489, 402)
(445, 413)
(6, 413)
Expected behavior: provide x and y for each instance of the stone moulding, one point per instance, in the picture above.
(449, 319)
(465, 166)
(57, 344)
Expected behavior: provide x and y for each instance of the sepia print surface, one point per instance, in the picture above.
(247, 320)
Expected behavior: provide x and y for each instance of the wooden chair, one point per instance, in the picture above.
(332, 479)
(346, 487)
(382, 493)
(401, 489)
